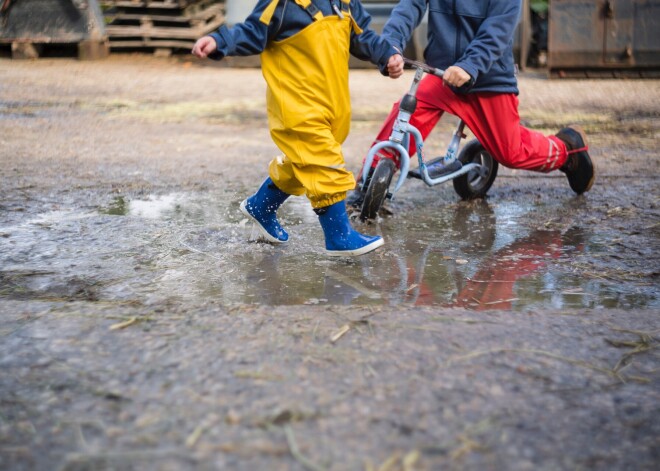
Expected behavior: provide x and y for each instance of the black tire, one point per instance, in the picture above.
(377, 190)
(474, 185)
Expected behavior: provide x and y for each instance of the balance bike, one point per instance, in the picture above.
(472, 171)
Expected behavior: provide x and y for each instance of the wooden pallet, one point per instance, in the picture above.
(212, 17)
(165, 7)
(173, 4)
(133, 26)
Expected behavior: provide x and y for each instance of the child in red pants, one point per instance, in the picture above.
(472, 40)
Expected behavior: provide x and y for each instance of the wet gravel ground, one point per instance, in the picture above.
(141, 331)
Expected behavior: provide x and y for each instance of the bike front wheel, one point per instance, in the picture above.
(377, 190)
(476, 183)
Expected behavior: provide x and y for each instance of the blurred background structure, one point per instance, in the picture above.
(30, 28)
(571, 38)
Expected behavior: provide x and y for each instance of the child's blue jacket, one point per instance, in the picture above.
(252, 36)
(475, 35)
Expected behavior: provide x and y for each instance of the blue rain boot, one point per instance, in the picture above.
(262, 208)
(340, 237)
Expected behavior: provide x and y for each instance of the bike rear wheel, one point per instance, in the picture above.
(377, 190)
(476, 183)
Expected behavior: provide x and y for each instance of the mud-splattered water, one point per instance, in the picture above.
(195, 248)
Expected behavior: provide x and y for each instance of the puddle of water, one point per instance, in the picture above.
(117, 207)
(157, 207)
(195, 248)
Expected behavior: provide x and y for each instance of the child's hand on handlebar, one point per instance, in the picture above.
(395, 66)
(456, 76)
(204, 46)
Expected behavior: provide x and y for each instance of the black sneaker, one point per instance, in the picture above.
(579, 168)
(437, 168)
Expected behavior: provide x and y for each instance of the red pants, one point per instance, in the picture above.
(493, 119)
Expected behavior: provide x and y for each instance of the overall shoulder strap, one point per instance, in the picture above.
(269, 11)
(310, 8)
(346, 8)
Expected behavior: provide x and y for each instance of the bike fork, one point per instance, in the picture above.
(452, 150)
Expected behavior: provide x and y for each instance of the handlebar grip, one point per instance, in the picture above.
(466, 87)
(424, 67)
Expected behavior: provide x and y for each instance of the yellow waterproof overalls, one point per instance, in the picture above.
(309, 109)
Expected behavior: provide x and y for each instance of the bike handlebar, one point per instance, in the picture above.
(437, 72)
(424, 67)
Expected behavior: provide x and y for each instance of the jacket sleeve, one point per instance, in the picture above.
(247, 38)
(492, 38)
(368, 45)
(405, 17)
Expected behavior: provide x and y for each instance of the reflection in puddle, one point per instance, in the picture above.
(418, 275)
(194, 248)
(493, 285)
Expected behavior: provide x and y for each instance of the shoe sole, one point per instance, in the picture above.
(354, 253)
(262, 230)
(583, 135)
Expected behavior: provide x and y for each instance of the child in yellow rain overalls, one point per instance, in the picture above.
(305, 47)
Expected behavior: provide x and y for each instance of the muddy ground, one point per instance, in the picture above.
(141, 330)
